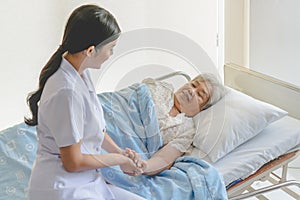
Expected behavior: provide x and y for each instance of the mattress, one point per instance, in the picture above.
(278, 138)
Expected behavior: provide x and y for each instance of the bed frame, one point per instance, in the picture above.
(278, 93)
(263, 87)
(266, 172)
(273, 91)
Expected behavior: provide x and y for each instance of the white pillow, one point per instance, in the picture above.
(232, 121)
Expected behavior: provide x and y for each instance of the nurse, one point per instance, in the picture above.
(69, 119)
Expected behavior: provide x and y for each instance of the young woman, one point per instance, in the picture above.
(69, 119)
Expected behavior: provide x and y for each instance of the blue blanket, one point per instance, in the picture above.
(131, 122)
(17, 153)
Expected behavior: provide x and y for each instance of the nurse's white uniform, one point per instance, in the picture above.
(69, 112)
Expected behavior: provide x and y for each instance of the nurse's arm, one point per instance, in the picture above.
(110, 146)
(73, 160)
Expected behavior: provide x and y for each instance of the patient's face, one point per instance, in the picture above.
(192, 96)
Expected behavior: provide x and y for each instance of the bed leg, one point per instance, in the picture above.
(285, 189)
(284, 173)
(266, 189)
(282, 179)
(259, 197)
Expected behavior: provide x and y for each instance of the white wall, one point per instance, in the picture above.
(275, 39)
(196, 20)
(234, 32)
(264, 36)
(32, 30)
(189, 18)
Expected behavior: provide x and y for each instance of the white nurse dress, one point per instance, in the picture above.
(68, 112)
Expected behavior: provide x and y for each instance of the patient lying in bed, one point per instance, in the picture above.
(174, 112)
(160, 132)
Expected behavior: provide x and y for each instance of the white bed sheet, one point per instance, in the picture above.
(278, 138)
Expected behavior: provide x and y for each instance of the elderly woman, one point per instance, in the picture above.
(175, 111)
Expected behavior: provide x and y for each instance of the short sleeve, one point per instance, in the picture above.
(180, 136)
(64, 117)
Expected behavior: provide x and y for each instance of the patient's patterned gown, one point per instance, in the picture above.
(179, 130)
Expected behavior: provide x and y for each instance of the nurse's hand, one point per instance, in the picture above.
(130, 168)
(135, 157)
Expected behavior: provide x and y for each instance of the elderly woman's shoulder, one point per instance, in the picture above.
(155, 83)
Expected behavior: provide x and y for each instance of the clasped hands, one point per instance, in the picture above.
(135, 165)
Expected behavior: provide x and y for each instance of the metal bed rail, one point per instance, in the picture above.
(236, 192)
(265, 190)
(264, 174)
(180, 73)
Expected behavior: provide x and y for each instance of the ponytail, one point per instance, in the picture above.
(88, 25)
(34, 97)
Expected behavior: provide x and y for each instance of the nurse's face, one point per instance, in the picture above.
(192, 96)
(100, 55)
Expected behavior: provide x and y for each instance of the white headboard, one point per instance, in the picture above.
(263, 87)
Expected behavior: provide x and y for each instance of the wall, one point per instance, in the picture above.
(235, 32)
(188, 19)
(32, 30)
(264, 36)
(275, 39)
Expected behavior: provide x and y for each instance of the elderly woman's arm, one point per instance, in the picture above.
(161, 160)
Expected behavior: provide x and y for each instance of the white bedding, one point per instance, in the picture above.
(275, 140)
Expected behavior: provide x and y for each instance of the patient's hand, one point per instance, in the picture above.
(136, 158)
(129, 167)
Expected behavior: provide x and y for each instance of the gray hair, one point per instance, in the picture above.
(218, 89)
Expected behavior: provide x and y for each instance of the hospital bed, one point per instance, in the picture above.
(258, 158)
(238, 173)
(238, 176)
(278, 93)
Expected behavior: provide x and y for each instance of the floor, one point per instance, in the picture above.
(293, 174)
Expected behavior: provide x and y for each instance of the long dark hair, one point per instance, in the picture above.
(88, 25)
